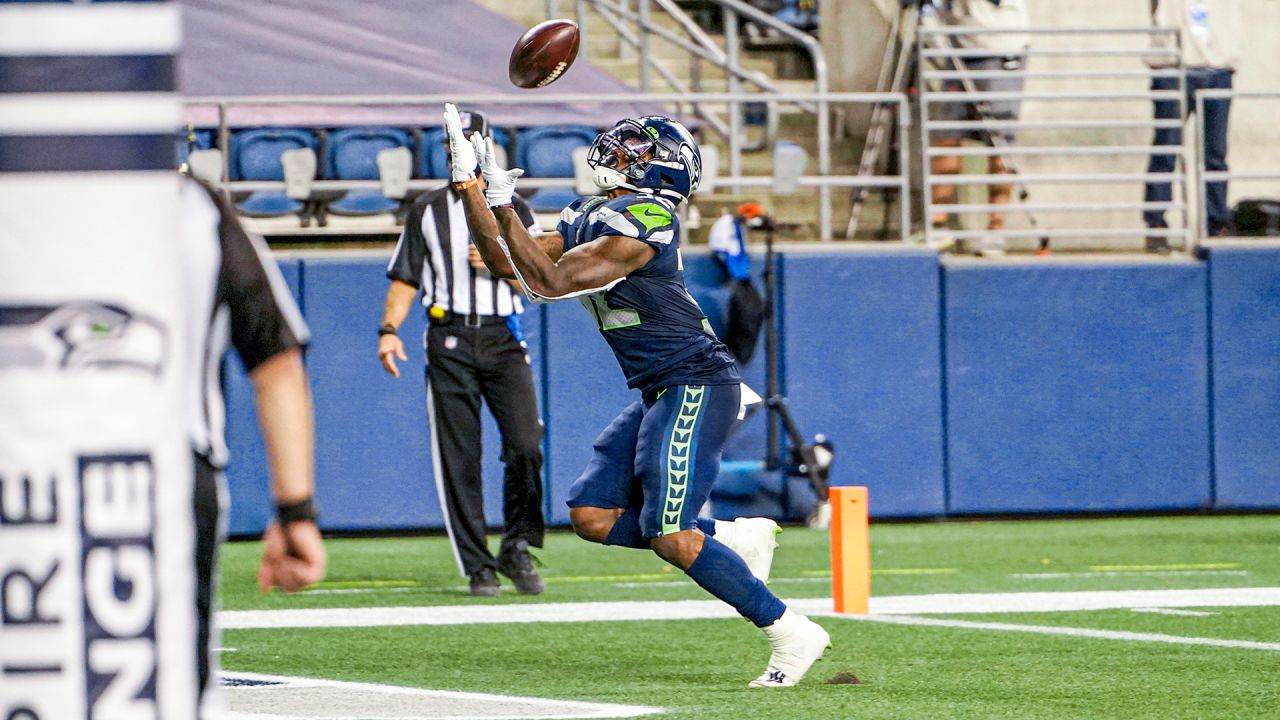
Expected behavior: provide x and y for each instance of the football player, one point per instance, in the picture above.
(652, 469)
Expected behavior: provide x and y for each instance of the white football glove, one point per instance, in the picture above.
(499, 184)
(462, 163)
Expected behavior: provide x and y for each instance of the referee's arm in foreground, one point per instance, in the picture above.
(268, 333)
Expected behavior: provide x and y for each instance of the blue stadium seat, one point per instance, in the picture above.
(200, 139)
(353, 155)
(255, 155)
(548, 152)
(431, 155)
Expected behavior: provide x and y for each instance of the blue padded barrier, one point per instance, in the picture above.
(705, 281)
(353, 155)
(862, 365)
(1076, 386)
(373, 459)
(255, 155)
(747, 446)
(583, 392)
(1244, 282)
(247, 481)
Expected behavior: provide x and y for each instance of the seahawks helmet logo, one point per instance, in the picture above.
(80, 335)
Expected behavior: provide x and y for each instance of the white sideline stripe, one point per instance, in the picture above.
(99, 29)
(1171, 611)
(1124, 573)
(89, 113)
(561, 708)
(1028, 602)
(713, 609)
(1071, 632)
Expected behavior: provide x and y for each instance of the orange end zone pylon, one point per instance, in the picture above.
(850, 550)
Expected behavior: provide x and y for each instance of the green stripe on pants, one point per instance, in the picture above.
(681, 456)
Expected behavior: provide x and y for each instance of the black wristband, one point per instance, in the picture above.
(300, 511)
(387, 329)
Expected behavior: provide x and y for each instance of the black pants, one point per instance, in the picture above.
(207, 509)
(464, 365)
(1216, 114)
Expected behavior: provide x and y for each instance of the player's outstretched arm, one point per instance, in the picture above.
(479, 195)
(293, 555)
(486, 232)
(586, 268)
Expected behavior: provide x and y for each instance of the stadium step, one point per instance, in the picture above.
(796, 214)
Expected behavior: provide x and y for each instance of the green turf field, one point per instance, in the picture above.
(1139, 663)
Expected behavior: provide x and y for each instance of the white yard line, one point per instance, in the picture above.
(1070, 632)
(294, 698)
(1171, 611)
(966, 603)
(1123, 573)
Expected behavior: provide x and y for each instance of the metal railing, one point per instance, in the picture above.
(946, 77)
(702, 48)
(822, 181)
(1206, 176)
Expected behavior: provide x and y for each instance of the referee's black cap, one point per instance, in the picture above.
(473, 121)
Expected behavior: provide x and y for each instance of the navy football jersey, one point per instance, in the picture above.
(655, 328)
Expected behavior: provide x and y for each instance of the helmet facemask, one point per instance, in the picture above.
(651, 155)
(620, 157)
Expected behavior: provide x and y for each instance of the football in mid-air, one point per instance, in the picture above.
(543, 53)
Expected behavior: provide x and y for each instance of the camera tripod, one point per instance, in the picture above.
(897, 69)
(807, 459)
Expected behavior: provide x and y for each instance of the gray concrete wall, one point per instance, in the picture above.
(855, 31)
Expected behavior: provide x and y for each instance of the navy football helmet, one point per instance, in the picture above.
(651, 154)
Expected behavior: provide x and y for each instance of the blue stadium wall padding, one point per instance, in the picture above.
(1245, 304)
(247, 482)
(584, 391)
(1076, 386)
(373, 457)
(862, 365)
(731, 496)
(705, 280)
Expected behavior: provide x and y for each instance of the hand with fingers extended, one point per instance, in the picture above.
(499, 184)
(391, 348)
(292, 556)
(462, 155)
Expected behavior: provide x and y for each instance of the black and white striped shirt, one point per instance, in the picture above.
(432, 255)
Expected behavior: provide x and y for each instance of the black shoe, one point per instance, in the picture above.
(484, 582)
(1158, 244)
(517, 564)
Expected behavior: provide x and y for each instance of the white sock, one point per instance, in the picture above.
(724, 531)
(785, 625)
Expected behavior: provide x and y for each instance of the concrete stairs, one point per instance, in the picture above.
(797, 214)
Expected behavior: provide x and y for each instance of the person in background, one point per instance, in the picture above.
(475, 350)
(728, 242)
(1000, 51)
(1210, 33)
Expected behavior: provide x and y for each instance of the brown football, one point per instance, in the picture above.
(543, 53)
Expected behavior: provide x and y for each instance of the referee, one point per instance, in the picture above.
(475, 350)
(236, 296)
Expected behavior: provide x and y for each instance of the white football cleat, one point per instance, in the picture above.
(753, 539)
(798, 643)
